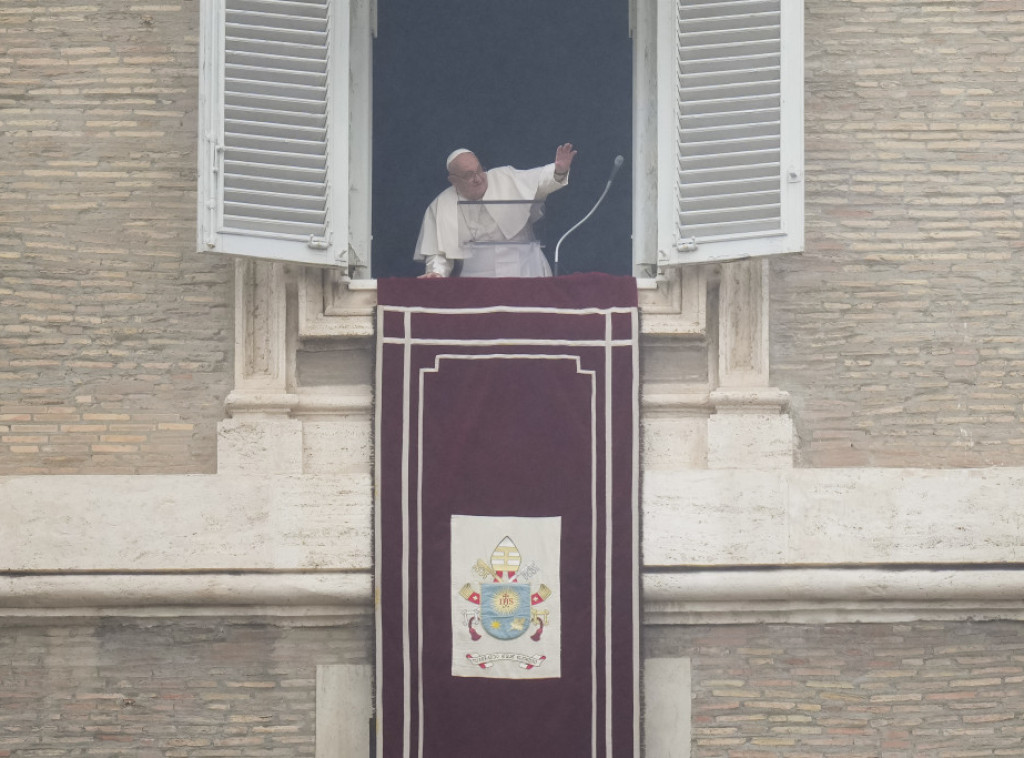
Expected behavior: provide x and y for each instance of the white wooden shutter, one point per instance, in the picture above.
(730, 129)
(274, 122)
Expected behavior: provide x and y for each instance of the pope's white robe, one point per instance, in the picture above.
(439, 241)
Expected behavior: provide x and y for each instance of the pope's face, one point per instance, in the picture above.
(468, 176)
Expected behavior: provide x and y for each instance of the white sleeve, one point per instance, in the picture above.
(438, 264)
(547, 181)
(426, 244)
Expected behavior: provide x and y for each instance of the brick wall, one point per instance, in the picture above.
(115, 336)
(189, 688)
(941, 690)
(900, 332)
(166, 689)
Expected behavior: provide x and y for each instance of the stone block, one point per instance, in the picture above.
(752, 441)
(259, 445)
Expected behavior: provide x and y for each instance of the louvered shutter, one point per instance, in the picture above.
(730, 129)
(274, 116)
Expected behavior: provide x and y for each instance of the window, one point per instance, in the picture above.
(285, 134)
(510, 81)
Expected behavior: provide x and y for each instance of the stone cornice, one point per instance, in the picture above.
(676, 596)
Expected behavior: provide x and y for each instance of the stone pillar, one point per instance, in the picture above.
(749, 427)
(344, 706)
(261, 434)
(667, 694)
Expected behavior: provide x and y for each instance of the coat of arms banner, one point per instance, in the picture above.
(507, 559)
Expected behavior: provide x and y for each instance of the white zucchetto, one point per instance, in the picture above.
(453, 155)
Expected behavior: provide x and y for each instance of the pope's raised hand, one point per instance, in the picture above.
(563, 158)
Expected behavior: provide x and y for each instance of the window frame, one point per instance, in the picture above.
(657, 244)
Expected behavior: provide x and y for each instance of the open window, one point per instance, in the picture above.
(510, 81)
(285, 132)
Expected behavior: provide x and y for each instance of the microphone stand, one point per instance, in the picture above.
(615, 170)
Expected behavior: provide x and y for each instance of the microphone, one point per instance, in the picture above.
(615, 169)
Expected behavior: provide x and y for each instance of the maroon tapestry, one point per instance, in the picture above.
(507, 559)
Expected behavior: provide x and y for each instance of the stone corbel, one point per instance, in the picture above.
(675, 302)
(260, 434)
(333, 305)
(749, 427)
(743, 325)
(263, 365)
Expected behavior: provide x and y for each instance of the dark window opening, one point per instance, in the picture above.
(509, 81)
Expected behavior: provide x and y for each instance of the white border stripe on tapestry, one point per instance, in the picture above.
(507, 356)
(508, 309)
(608, 501)
(406, 652)
(635, 324)
(510, 342)
(419, 564)
(593, 574)
(379, 656)
(593, 505)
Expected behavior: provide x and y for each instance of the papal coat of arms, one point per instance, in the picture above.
(505, 605)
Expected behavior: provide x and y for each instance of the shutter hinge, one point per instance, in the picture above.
(216, 158)
(671, 257)
(217, 153)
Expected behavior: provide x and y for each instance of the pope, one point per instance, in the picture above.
(471, 228)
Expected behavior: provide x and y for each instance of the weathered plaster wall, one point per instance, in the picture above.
(900, 332)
